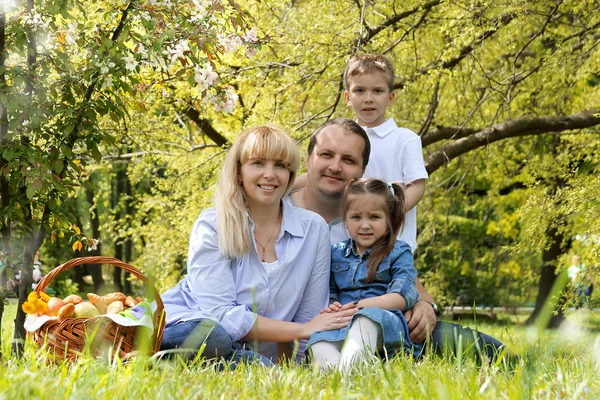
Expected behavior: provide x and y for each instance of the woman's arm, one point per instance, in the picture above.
(211, 282)
(271, 330)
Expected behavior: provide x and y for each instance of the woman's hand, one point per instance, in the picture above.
(329, 320)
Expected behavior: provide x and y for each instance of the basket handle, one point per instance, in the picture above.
(160, 308)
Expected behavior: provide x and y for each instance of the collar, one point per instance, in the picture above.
(290, 222)
(384, 129)
(350, 250)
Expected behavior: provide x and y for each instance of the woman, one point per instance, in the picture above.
(258, 268)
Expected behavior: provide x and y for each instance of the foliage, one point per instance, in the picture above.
(463, 69)
(67, 68)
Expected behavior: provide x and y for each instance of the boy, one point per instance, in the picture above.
(396, 153)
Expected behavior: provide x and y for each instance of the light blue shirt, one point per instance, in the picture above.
(227, 289)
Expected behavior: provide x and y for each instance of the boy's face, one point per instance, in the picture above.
(369, 96)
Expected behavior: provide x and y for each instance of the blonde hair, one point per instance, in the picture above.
(267, 142)
(369, 64)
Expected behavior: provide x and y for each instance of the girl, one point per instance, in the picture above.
(372, 271)
(257, 267)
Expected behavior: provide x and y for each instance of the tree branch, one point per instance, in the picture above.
(206, 127)
(520, 127)
(499, 22)
(129, 156)
(94, 79)
(445, 133)
(371, 32)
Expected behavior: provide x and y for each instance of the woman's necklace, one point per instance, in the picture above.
(264, 247)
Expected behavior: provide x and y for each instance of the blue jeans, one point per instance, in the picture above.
(189, 336)
(446, 337)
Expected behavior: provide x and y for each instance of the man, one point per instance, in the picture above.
(339, 151)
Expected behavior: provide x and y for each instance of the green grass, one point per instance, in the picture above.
(558, 364)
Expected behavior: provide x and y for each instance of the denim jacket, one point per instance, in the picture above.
(395, 274)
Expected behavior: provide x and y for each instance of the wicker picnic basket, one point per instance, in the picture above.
(67, 339)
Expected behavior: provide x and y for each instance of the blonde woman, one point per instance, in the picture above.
(258, 268)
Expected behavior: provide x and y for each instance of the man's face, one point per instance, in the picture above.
(336, 158)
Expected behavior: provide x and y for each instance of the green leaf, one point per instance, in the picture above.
(96, 154)
(58, 166)
(8, 154)
(30, 192)
(66, 150)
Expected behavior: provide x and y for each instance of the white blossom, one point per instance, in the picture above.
(230, 43)
(227, 102)
(130, 63)
(200, 10)
(205, 76)
(250, 36)
(141, 49)
(71, 36)
(250, 52)
(93, 244)
(178, 51)
(108, 82)
(34, 20)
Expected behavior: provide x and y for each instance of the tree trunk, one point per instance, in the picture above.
(94, 269)
(1, 314)
(118, 190)
(127, 212)
(550, 256)
(24, 289)
(556, 245)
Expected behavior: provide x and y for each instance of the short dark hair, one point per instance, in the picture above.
(348, 126)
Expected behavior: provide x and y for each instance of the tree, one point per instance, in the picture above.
(477, 80)
(66, 68)
(488, 85)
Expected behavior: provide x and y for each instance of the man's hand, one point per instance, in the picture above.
(421, 321)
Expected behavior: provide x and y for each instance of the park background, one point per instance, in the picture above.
(116, 115)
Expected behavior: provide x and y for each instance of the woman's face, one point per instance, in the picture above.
(264, 181)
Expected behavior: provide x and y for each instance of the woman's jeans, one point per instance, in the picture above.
(188, 337)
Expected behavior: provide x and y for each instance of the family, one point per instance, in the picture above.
(321, 265)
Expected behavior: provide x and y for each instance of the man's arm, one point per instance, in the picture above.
(421, 318)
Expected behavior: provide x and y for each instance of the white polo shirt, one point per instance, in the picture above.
(397, 155)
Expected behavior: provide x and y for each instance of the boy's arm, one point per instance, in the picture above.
(300, 182)
(413, 193)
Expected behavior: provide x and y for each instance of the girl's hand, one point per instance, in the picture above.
(337, 306)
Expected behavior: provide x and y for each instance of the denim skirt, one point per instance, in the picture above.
(393, 326)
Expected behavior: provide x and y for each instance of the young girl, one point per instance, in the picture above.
(375, 272)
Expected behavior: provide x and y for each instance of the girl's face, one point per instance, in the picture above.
(264, 181)
(366, 219)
